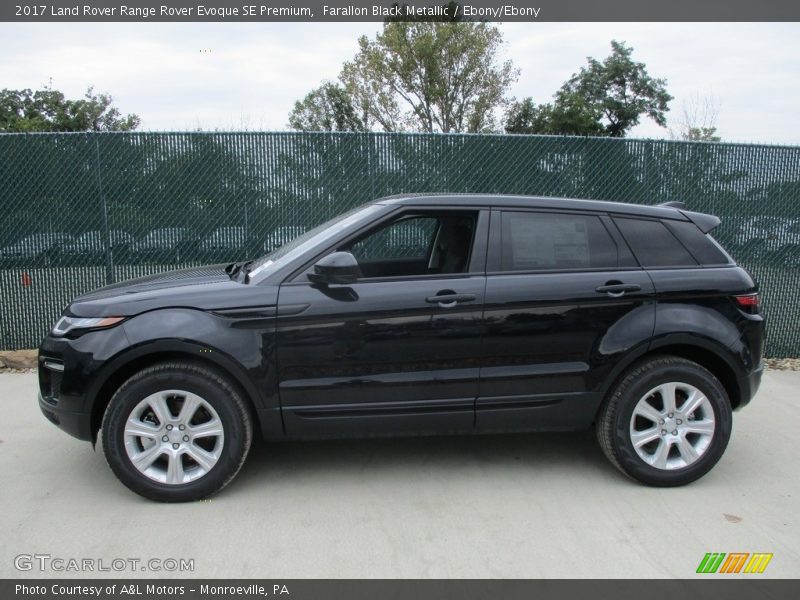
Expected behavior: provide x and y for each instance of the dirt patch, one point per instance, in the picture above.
(18, 360)
(783, 364)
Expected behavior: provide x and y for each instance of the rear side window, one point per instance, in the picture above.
(544, 241)
(699, 244)
(653, 244)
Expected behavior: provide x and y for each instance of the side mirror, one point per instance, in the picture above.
(338, 267)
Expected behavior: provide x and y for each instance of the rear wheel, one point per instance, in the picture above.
(667, 423)
(176, 432)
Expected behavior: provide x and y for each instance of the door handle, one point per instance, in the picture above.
(617, 290)
(449, 300)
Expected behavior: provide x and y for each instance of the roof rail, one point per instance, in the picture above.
(673, 204)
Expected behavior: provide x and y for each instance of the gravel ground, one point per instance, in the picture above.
(783, 364)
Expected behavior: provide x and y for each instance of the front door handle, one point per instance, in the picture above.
(618, 289)
(449, 300)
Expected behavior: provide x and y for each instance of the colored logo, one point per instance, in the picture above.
(734, 562)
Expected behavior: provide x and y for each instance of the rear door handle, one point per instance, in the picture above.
(450, 300)
(616, 290)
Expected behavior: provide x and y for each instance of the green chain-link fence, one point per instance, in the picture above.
(83, 210)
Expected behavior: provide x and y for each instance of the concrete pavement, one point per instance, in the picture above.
(545, 505)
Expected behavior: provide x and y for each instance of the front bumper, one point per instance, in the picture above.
(77, 424)
(69, 381)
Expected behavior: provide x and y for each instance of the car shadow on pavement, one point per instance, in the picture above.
(346, 460)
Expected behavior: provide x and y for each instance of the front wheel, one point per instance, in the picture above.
(176, 432)
(667, 423)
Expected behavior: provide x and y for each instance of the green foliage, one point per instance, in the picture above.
(49, 110)
(702, 134)
(604, 99)
(425, 76)
(572, 117)
(326, 108)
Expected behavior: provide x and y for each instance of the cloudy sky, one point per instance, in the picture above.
(251, 74)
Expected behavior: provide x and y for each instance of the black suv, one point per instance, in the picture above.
(420, 315)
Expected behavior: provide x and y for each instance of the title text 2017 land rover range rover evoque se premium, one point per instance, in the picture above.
(420, 315)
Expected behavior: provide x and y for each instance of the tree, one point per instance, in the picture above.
(698, 121)
(49, 110)
(573, 117)
(326, 108)
(604, 98)
(429, 76)
(526, 117)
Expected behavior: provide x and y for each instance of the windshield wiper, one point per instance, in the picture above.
(235, 268)
(245, 269)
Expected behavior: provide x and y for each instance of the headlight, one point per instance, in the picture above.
(68, 324)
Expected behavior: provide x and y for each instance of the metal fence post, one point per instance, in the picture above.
(109, 257)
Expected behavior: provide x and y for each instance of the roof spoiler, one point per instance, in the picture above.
(673, 204)
(706, 223)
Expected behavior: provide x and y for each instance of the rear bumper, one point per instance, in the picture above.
(77, 424)
(753, 382)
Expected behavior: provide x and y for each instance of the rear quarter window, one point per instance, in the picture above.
(702, 246)
(653, 244)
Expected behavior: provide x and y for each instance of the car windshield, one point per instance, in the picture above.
(89, 237)
(224, 233)
(40, 239)
(163, 234)
(296, 247)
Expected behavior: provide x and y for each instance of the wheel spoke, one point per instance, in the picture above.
(659, 459)
(704, 427)
(190, 405)
(206, 460)
(646, 410)
(160, 408)
(175, 472)
(693, 402)
(138, 428)
(688, 453)
(210, 428)
(667, 392)
(640, 438)
(144, 459)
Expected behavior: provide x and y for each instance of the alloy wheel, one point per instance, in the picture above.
(174, 437)
(672, 426)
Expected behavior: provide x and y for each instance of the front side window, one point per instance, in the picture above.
(547, 242)
(430, 243)
(407, 238)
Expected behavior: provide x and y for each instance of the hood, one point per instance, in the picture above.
(203, 288)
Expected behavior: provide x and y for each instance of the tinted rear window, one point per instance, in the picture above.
(544, 241)
(699, 244)
(653, 244)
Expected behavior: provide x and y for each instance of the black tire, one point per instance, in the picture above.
(613, 425)
(214, 389)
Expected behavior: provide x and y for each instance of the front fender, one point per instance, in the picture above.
(246, 352)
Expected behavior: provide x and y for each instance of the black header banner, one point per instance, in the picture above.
(380, 10)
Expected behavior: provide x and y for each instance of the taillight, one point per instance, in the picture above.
(748, 302)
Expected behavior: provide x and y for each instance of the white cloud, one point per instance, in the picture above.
(255, 72)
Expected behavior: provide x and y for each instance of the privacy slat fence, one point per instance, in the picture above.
(83, 210)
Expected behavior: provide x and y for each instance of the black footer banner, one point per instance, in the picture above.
(713, 588)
